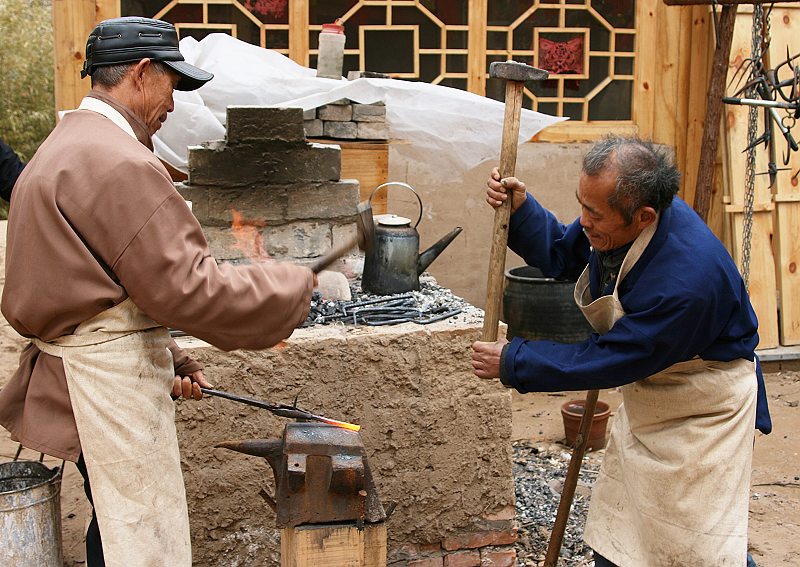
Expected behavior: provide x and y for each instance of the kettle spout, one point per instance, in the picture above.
(433, 252)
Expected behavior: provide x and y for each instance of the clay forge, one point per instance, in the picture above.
(438, 440)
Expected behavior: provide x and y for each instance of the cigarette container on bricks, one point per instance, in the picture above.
(331, 50)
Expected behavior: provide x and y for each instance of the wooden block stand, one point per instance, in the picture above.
(334, 545)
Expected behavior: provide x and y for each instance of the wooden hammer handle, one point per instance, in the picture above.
(330, 257)
(502, 215)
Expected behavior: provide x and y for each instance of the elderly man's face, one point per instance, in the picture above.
(605, 228)
(156, 97)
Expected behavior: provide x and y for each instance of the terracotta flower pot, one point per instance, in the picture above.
(572, 412)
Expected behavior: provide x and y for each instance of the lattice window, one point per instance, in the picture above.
(260, 22)
(587, 45)
(410, 39)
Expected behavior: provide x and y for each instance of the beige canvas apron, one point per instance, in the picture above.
(120, 374)
(673, 489)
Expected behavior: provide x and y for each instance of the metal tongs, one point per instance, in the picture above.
(282, 410)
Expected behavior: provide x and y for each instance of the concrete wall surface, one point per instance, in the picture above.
(550, 172)
(437, 438)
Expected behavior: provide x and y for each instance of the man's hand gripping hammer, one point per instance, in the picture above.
(515, 75)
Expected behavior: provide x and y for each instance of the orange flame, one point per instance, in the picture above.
(248, 236)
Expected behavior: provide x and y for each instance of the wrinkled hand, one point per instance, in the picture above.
(486, 358)
(189, 386)
(497, 190)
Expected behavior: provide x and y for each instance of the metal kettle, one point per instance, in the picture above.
(395, 263)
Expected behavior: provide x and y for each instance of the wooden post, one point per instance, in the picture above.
(334, 545)
(476, 71)
(73, 20)
(298, 31)
(716, 89)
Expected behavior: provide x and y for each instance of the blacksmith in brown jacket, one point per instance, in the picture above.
(104, 254)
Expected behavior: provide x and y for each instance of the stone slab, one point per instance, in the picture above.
(373, 131)
(248, 123)
(302, 239)
(369, 112)
(329, 200)
(255, 164)
(335, 112)
(313, 128)
(340, 130)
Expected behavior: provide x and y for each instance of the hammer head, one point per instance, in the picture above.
(365, 227)
(516, 71)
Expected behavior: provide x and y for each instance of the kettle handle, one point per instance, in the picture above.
(407, 186)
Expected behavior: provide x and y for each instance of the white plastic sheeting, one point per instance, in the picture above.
(444, 131)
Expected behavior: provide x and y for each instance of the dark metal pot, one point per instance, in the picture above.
(540, 308)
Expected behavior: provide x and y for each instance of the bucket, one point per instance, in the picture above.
(30, 514)
(572, 413)
(539, 308)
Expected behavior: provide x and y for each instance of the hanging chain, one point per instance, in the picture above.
(752, 124)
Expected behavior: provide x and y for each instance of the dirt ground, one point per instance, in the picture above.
(774, 509)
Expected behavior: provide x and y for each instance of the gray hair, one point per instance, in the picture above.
(646, 173)
(109, 76)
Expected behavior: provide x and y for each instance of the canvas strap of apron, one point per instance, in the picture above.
(674, 485)
(120, 374)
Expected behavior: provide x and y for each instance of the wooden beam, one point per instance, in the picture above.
(646, 68)
(298, 31)
(716, 89)
(105, 10)
(701, 42)
(476, 40)
(72, 22)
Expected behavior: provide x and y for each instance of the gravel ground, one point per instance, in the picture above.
(539, 471)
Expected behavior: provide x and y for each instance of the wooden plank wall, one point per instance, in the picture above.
(675, 51)
(763, 285)
(784, 31)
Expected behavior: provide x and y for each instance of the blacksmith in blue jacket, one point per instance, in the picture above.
(674, 329)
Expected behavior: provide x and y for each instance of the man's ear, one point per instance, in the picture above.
(139, 70)
(646, 216)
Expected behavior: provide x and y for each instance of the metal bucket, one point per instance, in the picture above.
(30, 514)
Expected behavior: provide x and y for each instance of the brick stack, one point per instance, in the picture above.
(490, 545)
(347, 120)
(289, 192)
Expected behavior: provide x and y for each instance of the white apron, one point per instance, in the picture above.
(674, 486)
(120, 375)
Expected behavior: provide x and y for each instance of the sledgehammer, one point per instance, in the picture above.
(515, 75)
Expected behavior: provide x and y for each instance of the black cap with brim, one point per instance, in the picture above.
(130, 39)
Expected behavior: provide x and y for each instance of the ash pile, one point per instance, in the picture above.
(539, 472)
(429, 304)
